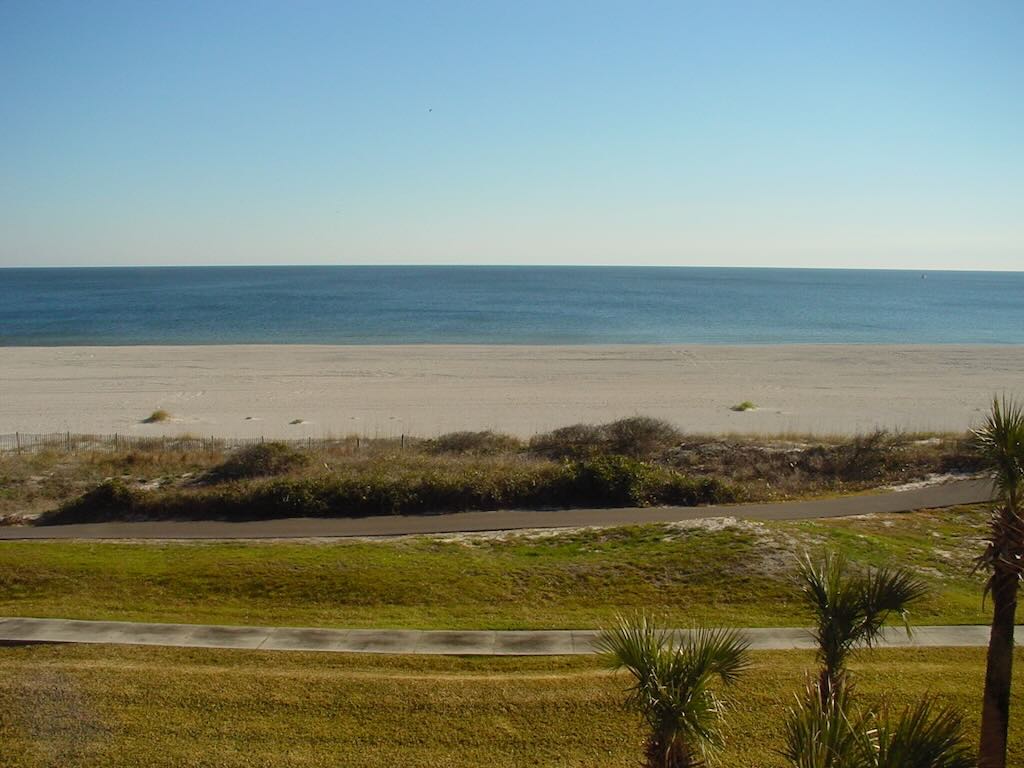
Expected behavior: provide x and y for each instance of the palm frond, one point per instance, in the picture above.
(1001, 442)
(821, 732)
(720, 652)
(672, 684)
(884, 592)
(851, 609)
(824, 732)
(927, 735)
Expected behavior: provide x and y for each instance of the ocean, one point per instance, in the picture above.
(506, 305)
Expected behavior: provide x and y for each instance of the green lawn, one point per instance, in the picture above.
(78, 706)
(741, 574)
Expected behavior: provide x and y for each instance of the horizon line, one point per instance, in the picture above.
(922, 270)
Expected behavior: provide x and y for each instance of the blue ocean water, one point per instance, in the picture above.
(506, 305)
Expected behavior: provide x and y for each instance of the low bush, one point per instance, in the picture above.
(110, 500)
(568, 442)
(638, 437)
(260, 461)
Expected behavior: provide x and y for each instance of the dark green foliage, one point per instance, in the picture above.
(110, 500)
(260, 461)
(617, 480)
(606, 481)
(638, 437)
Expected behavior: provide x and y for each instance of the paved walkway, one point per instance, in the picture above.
(944, 495)
(16, 631)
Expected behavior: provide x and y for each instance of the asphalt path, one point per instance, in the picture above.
(23, 631)
(934, 496)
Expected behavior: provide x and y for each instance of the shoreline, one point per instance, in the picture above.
(428, 389)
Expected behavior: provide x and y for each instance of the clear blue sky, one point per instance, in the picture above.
(886, 134)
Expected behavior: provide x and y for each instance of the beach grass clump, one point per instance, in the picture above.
(482, 443)
(157, 416)
(746, 405)
(274, 458)
(638, 437)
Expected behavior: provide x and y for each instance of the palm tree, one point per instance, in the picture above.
(673, 685)
(850, 610)
(824, 732)
(1001, 442)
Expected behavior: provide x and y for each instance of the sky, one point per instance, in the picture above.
(865, 134)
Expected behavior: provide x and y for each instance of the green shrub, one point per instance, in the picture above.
(260, 461)
(157, 416)
(638, 436)
(110, 500)
(606, 481)
(616, 481)
(746, 405)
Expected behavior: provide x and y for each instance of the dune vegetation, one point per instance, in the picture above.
(630, 462)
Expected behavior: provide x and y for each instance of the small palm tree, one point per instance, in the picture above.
(1001, 442)
(673, 685)
(850, 610)
(823, 732)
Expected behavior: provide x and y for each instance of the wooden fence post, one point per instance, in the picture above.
(17, 441)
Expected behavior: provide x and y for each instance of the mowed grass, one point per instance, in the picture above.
(109, 706)
(737, 573)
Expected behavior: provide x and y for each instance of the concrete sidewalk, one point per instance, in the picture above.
(17, 631)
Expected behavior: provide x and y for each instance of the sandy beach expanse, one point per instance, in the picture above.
(426, 390)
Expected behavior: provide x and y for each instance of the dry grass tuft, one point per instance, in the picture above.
(157, 416)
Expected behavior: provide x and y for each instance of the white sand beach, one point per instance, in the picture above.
(426, 390)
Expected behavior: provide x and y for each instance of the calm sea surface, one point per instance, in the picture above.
(506, 305)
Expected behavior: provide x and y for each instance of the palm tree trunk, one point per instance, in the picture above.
(995, 710)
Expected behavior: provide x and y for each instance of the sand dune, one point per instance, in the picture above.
(425, 390)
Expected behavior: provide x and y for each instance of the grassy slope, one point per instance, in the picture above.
(742, 575)
(140, 707)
